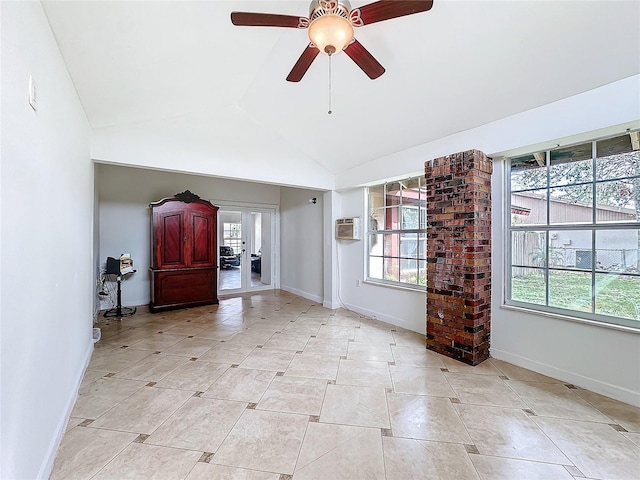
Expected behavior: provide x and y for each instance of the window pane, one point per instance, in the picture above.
(392, 269)
(393, 194)
(375, 267)
(422, 245)
(422, 272)
(529, 208)
(409, 245)
(618, 166)
(618, 250)
(411, 192)
(571, 165)
(375, 244)
(618, 296)
(610, 147)
(410, 218)
(391, 245)
(376, 196)
(392, 218)
(571, 290)
(409, 271)
(528, 285)
(616, 201)
(423, 218)
(571, 204)
(376, 221)
(571, 249)
(528, 249)
(528, 172)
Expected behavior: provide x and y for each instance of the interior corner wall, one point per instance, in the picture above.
(47, 217)
(125, 221)
(301, 237)
(398, 306)
(598, 358)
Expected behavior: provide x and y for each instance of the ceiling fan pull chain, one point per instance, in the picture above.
(329, 112)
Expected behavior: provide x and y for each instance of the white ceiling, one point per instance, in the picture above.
(461, 65)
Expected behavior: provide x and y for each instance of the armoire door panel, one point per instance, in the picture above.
(202, 251)
(172, 240)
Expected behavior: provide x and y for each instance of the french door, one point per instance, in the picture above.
(247, 253)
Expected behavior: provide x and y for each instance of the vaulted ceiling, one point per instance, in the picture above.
(181, 66)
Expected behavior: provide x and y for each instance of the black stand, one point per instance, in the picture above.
(120, 311)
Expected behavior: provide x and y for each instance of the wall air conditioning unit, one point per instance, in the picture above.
(348, 228)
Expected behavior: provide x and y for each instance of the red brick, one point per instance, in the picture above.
(459, 255)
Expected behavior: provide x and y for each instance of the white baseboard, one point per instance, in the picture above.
(398, 322)
(300, 293)
(331, 305)
(597, 386)
(54, 445)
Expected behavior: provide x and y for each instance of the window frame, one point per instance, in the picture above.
(419, 233)
(593, 227)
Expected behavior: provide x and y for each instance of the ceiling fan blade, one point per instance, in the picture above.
(248, 19)
(364, 60)
(387, 9)
(302, 65)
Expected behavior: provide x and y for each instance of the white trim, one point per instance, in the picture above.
(411, 287)
(619, 393)
(569, 318)
(226, 203)
(330, 305)
(245, 208)
(56, 440)
(300, 293)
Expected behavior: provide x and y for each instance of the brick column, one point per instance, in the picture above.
(459, 255)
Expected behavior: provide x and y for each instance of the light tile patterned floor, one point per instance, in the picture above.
(273, 386)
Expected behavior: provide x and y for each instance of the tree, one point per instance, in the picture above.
(622, 191)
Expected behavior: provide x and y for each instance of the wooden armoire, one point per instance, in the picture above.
(183, 252)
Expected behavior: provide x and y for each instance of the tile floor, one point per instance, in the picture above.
(272, 386)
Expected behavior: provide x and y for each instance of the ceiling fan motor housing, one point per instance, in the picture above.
(330, 26)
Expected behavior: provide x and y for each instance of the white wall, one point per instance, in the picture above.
(402, 307)
(605, 110)
(595, 357)
(125, 220)
(301, 238)
(47, 278)
(187, 144)
(601, 359)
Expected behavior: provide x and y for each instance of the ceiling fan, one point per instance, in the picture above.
(330, 27)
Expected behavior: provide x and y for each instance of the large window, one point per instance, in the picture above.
(396, 233)
(574, 230)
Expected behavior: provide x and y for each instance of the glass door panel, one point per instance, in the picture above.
(230, 246)
(246, 237)
(261, 234)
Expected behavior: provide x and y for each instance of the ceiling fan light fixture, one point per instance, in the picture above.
(330, 33)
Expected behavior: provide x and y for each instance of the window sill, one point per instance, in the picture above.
(408, 288)
(569, 318)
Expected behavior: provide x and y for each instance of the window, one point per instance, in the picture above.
(574, 230)
(232, 236)
(396, 233)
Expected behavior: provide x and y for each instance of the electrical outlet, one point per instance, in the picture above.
(357, 283)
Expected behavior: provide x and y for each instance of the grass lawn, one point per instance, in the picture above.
(615, 296)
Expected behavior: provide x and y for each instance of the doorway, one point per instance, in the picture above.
(247, 253)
